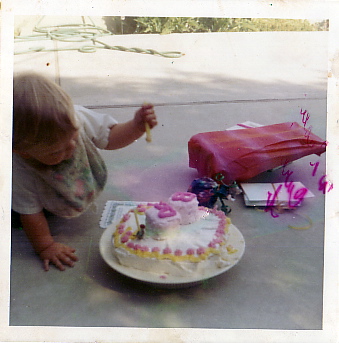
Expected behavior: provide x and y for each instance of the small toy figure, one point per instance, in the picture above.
(209, 190)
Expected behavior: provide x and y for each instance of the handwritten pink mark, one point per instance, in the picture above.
(323, 185)
(305, 116)
(295, 197)
(270, 203)
(315, 165)
(298, 195)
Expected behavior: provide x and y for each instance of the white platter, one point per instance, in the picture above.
(236, 239)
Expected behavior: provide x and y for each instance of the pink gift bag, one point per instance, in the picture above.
(242, 154)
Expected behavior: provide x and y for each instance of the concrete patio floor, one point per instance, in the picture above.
(221, 80)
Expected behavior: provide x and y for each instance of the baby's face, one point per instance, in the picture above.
(56, 153)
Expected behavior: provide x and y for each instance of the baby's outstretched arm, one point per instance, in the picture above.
(123, 134)
(37, 230)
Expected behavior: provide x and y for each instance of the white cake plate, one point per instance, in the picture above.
(236, 239)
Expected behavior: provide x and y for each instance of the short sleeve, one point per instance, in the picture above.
(25, 199)
(97, 125)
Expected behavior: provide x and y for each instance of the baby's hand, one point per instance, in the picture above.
(58, 254)
(145, 115)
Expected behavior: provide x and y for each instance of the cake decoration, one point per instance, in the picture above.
(182, 196)
(186, 204)
(177, 237)
(161, 220)
(165, 210)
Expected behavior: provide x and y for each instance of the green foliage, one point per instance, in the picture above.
(283, 25)
(166, 25)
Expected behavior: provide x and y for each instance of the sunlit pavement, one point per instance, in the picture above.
(220, 80)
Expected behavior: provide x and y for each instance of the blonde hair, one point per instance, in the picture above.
(43, 113)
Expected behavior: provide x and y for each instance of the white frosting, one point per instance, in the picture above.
(188, 209)
(169, 267)
(160, 228)
(194, 248)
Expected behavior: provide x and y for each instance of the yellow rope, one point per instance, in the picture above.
(310, 223)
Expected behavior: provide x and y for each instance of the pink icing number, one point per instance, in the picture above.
(183, 196)
(165, 210)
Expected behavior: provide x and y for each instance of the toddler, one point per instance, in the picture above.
(56, 163)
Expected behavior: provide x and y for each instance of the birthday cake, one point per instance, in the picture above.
(176, 238)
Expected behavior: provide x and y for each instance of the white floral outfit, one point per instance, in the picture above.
(70, 187)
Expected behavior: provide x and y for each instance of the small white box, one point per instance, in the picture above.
(283, 194)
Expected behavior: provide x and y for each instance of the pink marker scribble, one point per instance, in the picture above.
(296, 196)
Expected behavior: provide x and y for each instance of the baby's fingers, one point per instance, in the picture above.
(46, 265)
(69, 252)
(147, 107)
(151, 119)
(60, 255)
(69, 260)
(147, 110)
(152, 122)
(56, 262)
(66, 259)
(59, 263)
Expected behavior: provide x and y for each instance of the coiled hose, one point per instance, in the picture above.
(80, 33)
